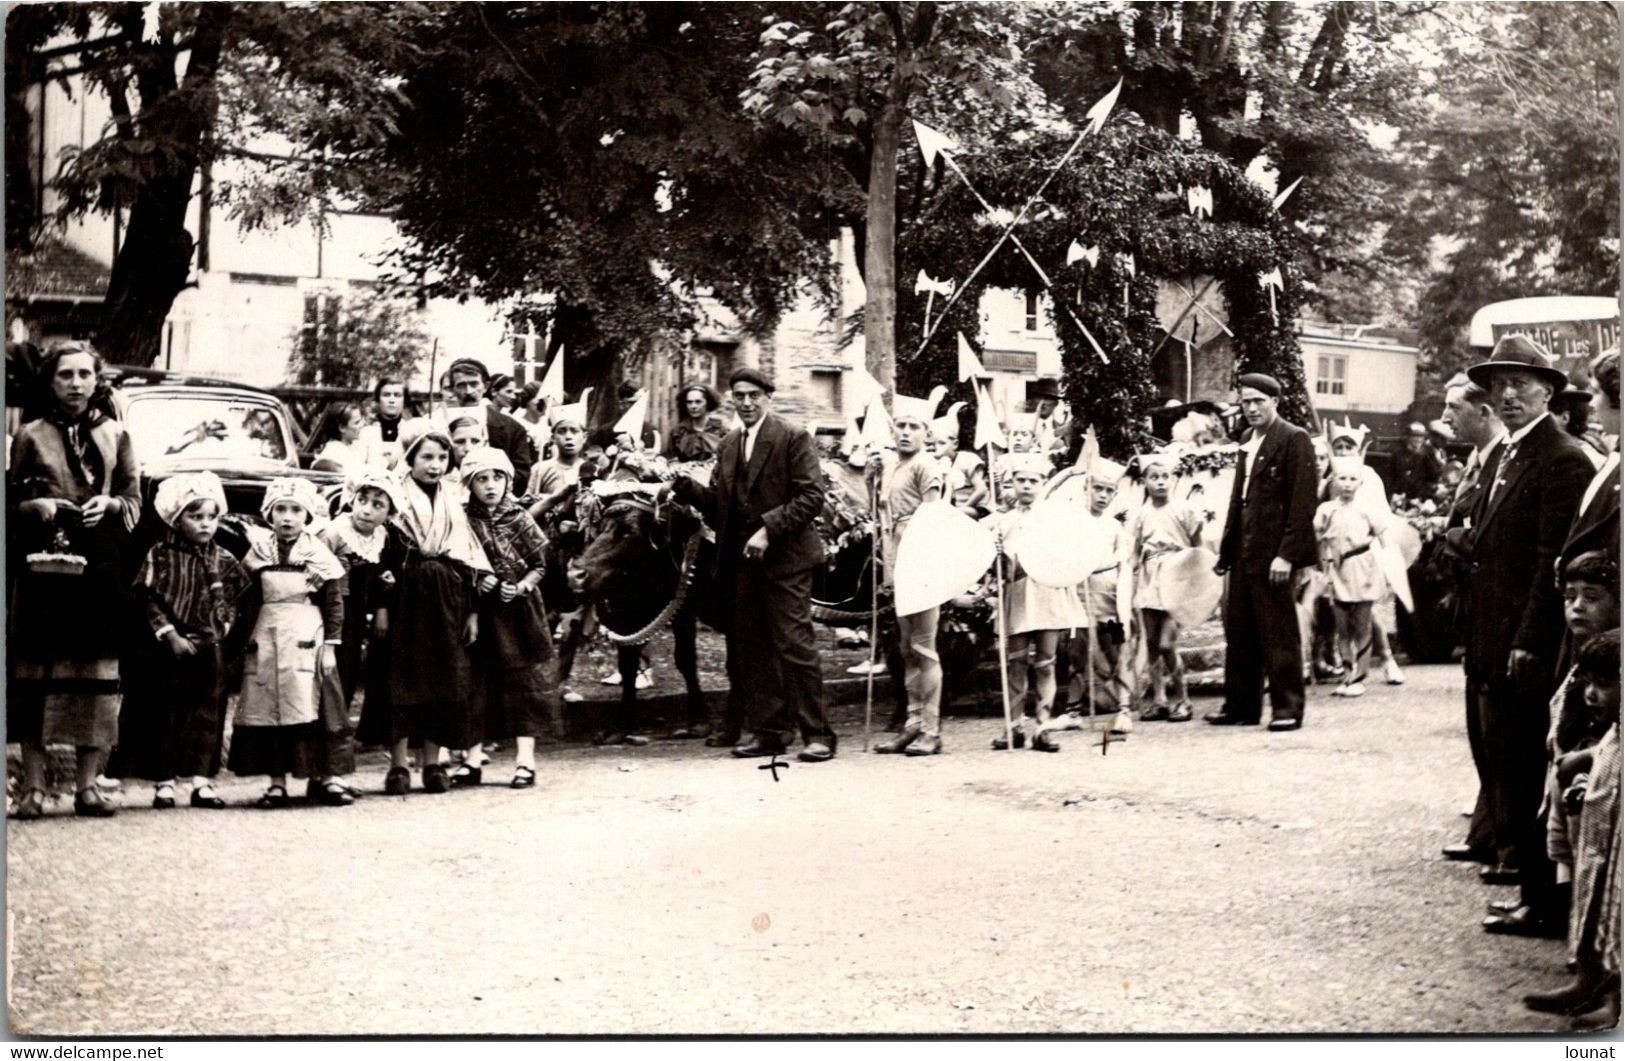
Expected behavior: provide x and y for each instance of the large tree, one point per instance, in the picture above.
(593, 161)
(190, 85)
(1517, 163)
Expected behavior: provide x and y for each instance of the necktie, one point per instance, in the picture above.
(1501, 469)
(1469, 478)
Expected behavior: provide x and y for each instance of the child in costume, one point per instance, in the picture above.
(1350, 441)
(1347, 532)
(433, 699)
(1035, 615)
(1161, 526)
(174, 714)
(914, 479)
(514, 655)
(1112, 684)
(371, 553)
(295, 609)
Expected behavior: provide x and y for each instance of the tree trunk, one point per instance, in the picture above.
(153, 262)
(880, 246)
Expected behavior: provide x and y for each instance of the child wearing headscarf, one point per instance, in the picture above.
(294, 608)
(433, 622)
(371, 552)
(174, 713)
(514, 654)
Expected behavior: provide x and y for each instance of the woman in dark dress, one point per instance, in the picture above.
(73, 498)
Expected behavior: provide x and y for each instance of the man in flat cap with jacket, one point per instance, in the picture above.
(1515, 617)
(1268, 537)
(762, 499)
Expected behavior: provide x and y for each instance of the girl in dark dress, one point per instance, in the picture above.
(72, 498)
(174, 713)
(514, 654)
(372, 551)
(433, 622)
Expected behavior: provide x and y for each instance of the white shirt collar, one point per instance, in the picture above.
(1517, 436)
(1484, 450)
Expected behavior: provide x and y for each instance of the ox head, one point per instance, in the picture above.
(633, 555)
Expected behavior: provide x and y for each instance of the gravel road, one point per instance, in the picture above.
(1193, 880)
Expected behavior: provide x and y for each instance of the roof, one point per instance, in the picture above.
(55, 272)
(1546, 309)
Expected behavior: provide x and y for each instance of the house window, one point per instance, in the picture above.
(826, 388)
(1331, 374)
(1032, 311)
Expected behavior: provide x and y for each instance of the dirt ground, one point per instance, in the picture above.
(1194, 880)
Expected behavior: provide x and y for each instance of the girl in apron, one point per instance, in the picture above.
(295, 606)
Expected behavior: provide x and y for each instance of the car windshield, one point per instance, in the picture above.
(168, 429)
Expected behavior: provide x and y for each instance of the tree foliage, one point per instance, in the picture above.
(1125, 196)
(1517, 163)
(593, 159)
(190, 85)
(354, 342)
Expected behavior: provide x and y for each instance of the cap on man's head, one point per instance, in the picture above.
(755, 377)
(1258, 381)
(468, 364)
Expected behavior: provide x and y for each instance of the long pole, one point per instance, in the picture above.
(874, 611)
(998, 589)
(1090, 645)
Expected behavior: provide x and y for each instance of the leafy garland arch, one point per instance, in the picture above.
(1125, 194)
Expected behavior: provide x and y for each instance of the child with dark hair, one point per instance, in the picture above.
(1591, 784)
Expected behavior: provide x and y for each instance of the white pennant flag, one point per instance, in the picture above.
(970, 366)
(1284, 196)
(876, 434)
(1103, 108)
(1200, 201)
(987, 422)
(552, 385)
(631, 421)
(1076, 253)
(924, 283)
(1253, 108)
(933, 143)
(1188, 131)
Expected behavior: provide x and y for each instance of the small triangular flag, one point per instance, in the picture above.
(1103, 108)
(631, 421)
(876, 433)
(987, 422)
(933, 143)
(970, 366)
(552, 385)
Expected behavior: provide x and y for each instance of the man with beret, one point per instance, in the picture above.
(1515, 617)
(762, 499)
(1268, 535)
(469, 380)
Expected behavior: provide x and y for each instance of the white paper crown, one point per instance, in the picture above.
(575, 413)
(922, 409)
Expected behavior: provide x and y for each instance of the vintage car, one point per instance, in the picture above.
(243, 434)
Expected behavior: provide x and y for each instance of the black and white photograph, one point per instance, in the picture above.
(560, 520)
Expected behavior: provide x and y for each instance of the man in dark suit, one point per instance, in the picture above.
(1468, 411)
(469, 381)
(1268, 536)
(1515, 616)
(763, 497)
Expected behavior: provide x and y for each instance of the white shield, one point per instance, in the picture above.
(942, 552)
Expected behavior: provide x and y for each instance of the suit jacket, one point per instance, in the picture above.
(781, 489)
(510, 436)
(1276, 516)
(1516, 533)
(1595, 527)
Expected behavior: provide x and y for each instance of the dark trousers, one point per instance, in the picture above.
(1513, 723)
(1261, 637)
(1481, 829)
(773, 657)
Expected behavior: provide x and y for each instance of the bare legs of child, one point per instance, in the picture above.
(1162, 654)
(1353, 632)
(922, 669)
(1043, 644)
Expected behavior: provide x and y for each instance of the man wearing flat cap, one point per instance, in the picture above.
(1515, 616)
(762, 499)
(1268, 536)
(469, 381)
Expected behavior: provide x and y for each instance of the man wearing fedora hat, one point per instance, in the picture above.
(1048, 421)
(1515, 616)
